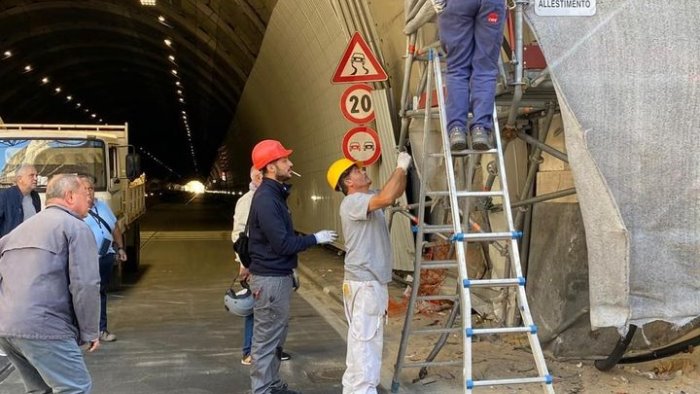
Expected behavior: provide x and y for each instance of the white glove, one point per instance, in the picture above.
(403, 161)
(325, 236)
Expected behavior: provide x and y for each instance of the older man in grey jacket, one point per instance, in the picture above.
(49, 292)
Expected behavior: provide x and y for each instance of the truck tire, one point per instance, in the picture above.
(133, 249)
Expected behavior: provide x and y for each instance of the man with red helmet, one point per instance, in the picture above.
(273, 248)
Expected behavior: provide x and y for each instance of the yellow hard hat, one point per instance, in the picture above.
(336, 170)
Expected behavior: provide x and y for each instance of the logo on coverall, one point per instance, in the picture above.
(492, 18)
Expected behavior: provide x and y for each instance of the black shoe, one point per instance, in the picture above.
(458, 139)
(285, 356)
(481, 139)
(283, 390)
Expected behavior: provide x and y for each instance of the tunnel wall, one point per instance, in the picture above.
(628, 85)
(289, 96)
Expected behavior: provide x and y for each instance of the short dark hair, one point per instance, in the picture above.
(341, 181)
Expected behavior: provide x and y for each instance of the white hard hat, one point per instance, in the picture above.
(239, 303)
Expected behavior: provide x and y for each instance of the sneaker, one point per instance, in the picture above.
(106, 336)
(285, 356)
(283, 390)
(458, 139)
(247, 359)
(481, 139)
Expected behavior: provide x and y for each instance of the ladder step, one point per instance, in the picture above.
(432, 264)
(440, 330)
(547, 379)
(466, 193)
(436, 228)
(438, 297)
(466, 152)
(421, 364)
(470, 332)
(519, 281)
(487, 236)
(420, 113)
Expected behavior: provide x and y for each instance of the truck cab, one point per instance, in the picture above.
(102, 152)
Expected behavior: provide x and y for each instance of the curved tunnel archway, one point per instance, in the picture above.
(111, 56)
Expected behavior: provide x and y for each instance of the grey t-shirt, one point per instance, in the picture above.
(368, 256)
(28, 207)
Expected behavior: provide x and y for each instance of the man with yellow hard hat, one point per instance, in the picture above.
(367, 266)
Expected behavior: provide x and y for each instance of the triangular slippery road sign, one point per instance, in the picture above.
(358, 64)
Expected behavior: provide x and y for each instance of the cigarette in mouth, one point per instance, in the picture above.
(296, 173)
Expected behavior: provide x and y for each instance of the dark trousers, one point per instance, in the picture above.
(471, 31)
(106, 266)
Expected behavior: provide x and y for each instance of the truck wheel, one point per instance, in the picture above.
(133, 249)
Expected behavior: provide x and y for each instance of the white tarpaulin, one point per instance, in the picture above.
(628, 80)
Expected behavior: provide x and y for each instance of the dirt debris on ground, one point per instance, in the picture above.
(503, 355)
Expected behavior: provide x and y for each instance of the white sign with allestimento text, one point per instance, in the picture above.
(565, 7)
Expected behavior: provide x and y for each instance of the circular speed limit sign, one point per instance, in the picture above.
(356, 104)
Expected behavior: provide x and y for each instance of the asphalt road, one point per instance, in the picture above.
(174, 335)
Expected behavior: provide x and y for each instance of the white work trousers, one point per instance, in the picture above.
(365, 310)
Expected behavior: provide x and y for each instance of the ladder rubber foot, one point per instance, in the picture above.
(394, 387)
(470, 384)
(548, 379)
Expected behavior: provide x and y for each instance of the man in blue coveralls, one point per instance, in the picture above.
(471, 32)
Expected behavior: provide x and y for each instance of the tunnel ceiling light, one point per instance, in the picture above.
(93, 116)
(168, 42)
(171, 58)
(57, 90)
(45, 80)
(182, 100)
(161, 18)
(6, 54)
(173, 71)
(86, 110)
(184, 112)
(69, 98)
(28, 68)
(100, 120)
(177, 83)
(77, 105)
(150, 3)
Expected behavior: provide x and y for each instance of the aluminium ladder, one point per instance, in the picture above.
(460, 238)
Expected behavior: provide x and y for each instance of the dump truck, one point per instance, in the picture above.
(100, 151)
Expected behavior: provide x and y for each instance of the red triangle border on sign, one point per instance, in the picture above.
(379, 76)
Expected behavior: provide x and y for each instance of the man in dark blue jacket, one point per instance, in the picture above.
(19, 202)
(273, 248)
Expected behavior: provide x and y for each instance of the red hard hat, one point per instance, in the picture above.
(267, 151)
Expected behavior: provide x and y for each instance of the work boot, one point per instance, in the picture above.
(458, 139)
(481, 138)
(283, 390)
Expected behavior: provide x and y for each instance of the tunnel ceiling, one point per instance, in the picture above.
(111, 57)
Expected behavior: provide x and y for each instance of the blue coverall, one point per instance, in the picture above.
(471, 32)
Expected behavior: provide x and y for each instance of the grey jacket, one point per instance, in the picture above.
(49, 279)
